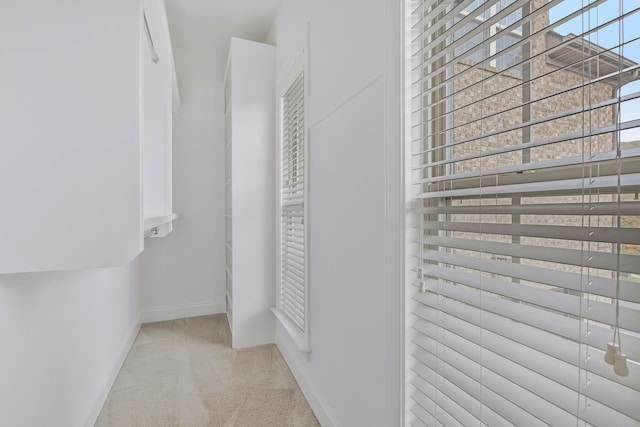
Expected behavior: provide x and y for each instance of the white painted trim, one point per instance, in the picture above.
(290, 72)
(297, 336)
(296, 62)
(98, 399)
(394, 214)
(307, 60)
(411, 220)
(158, 314)
(320, 408)
(340, 104)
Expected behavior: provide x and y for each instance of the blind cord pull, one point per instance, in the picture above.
(422, 286)
(614, 355)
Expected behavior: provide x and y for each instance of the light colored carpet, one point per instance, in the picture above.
(184, 373)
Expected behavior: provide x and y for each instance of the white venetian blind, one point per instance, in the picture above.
(526, 170)
(292, 274)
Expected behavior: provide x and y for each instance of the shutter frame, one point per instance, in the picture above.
(292, 309)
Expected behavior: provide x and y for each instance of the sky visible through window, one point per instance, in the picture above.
(621, 37)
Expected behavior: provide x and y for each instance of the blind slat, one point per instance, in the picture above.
(572, 281)
(457, 343)
(578, 257)
(602, 208)
(463, 323)
(566, 232)
(557, 299)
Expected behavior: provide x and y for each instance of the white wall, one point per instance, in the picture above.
(70, 185)
(346, 377)
(183, 273)
(63, 337)
(69, 127)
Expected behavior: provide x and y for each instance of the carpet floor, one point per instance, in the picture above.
(185, 373)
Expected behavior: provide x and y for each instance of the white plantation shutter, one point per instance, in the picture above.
(292, 274)
(525, 140)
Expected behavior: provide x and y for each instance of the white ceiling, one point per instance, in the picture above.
(208, 25)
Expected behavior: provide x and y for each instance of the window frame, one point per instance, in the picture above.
(294, 66)
(414, 275)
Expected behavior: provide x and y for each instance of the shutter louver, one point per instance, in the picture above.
(292, 274)
(525, 142)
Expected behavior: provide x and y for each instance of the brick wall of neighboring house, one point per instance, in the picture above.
(494, 106)
(498, 99)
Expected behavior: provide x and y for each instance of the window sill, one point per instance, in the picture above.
(299, 338)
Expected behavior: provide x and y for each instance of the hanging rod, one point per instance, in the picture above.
(154, 55)
(150, 233)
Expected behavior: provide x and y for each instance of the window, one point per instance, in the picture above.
(525, 141)
(292, 305)
(502, 34)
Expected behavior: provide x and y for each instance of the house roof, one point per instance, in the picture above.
(586, 58)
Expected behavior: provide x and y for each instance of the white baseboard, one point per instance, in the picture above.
(158, 314)
(291, 353)
(104, 387)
